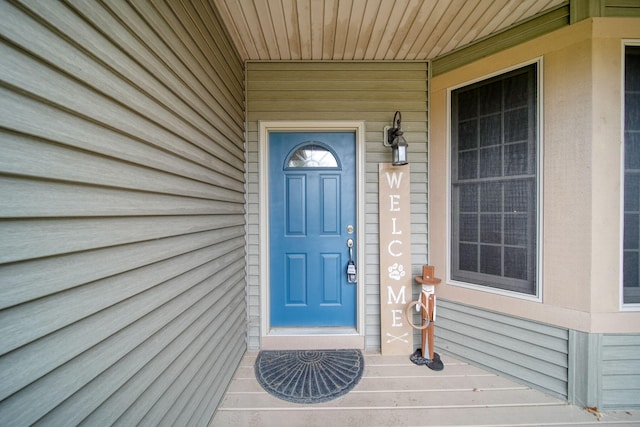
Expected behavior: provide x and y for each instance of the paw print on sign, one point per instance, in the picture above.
(396, 271)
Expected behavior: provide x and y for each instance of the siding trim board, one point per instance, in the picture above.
(122, 257)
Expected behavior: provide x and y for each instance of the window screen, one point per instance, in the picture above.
(631, 261)
(494, 182)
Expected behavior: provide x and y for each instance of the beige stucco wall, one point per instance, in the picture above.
(581, 127)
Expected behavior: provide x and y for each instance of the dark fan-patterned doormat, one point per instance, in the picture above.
(309, 376)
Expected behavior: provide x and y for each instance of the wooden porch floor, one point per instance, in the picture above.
(395, 392)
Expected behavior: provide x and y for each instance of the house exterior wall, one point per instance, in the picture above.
(122, 261)
(581, 136)
(339, 91)
(531, 352)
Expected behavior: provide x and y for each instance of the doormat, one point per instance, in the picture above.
(309, 376)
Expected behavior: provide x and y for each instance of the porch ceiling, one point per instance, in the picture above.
(272, 30)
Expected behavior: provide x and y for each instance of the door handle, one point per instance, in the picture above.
(352, 275)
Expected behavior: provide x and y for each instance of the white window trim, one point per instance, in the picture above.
(537, 297)
(623, 306)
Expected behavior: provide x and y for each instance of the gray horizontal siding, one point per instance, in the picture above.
(622, 8)
(620, 371)
(366, 91)
(122, 222)
(531, 352)
(598, 8)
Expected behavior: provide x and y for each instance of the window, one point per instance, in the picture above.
(312, 156)
(494, 182)
(631, 245)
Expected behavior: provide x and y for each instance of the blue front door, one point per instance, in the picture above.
(312, 210)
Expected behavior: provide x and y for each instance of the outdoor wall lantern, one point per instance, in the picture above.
(393, 138)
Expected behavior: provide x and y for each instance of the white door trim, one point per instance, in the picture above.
(315, 337)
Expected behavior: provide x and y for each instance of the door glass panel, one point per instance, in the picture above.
(312, 156)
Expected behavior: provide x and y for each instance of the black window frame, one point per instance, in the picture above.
(631, 177)
(469, 241)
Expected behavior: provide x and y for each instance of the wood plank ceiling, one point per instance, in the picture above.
(345, 30)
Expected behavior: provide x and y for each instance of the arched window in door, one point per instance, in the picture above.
(312, 155)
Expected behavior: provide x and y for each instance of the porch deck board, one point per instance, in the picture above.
(394, 392)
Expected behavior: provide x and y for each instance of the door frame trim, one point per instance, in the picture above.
(310, 338)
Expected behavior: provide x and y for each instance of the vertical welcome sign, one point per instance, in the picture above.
(395, 258)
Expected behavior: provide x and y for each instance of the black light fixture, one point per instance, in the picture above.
(393, 137)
